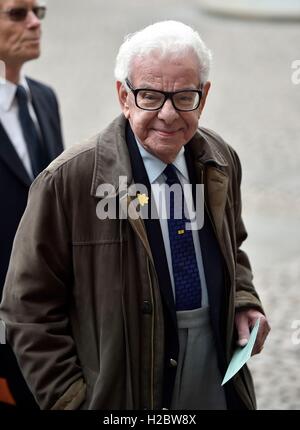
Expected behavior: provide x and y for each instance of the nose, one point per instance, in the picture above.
(32, 20)
(168, 113)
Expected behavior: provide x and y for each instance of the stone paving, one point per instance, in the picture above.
(253, 104)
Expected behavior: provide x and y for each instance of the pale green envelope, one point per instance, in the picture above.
(241, 355)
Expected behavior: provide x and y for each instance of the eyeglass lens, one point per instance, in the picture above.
(183, 100)
(20, 13)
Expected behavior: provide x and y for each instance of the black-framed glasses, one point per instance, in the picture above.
(148, 99)
(19, 14)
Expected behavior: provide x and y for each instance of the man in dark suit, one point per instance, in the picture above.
(30, 137)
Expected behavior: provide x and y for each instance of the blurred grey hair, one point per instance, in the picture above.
(166, 37)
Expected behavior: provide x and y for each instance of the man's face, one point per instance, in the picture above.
(19, 41)
(164, 132)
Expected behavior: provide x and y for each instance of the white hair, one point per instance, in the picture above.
(166, 38)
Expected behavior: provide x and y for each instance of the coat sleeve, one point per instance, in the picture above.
(246, 295)
(36, 300)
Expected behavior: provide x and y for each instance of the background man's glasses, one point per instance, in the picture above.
(146, 99)
(19, 14)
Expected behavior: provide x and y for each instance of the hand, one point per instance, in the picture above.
(244, 321)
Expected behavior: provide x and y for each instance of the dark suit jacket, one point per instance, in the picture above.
(14, 186)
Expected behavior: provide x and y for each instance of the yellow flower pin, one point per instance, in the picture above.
(143, 199)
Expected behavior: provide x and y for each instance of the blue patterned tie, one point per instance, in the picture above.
(36, 152)
(185, 269)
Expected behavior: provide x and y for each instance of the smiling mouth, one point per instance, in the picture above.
(167, 132)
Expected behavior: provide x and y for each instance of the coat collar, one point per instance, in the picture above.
(207, 155)
(112, 158)
(205, 150)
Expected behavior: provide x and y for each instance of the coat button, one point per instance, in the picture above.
(173, 362)
(147, 307)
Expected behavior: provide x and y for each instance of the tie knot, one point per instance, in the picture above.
(171, 175)
(21, 94)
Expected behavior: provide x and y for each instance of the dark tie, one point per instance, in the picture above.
(38, 158)
(184, 263)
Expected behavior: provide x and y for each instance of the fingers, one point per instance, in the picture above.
(242, 326)
(245, 321)
(263, 332)
(243, 341)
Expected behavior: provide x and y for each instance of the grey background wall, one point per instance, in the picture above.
(253, 104)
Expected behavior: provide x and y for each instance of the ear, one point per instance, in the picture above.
(204, 95)
(123, 94)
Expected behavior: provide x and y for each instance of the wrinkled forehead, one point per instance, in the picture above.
(158, 62)
(184, 53)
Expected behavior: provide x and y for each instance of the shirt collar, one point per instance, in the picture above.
(155, 167)
(8, 91)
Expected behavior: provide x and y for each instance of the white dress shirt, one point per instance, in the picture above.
(10, 121)
(154, 168)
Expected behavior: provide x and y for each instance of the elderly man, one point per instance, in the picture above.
(30, 137)
(109, 310)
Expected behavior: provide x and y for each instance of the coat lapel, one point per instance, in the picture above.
(217, 185)
(10, 157)
(38, 102)
(211, 164)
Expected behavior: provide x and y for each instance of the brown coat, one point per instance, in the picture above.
(76, 284)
